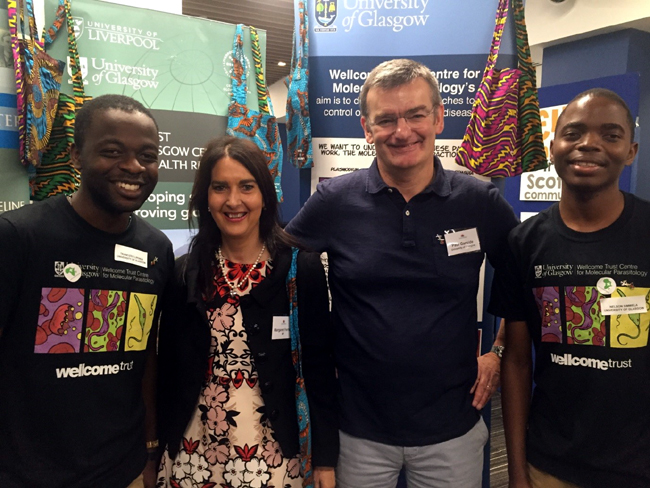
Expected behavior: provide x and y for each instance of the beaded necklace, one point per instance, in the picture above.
(235, 287)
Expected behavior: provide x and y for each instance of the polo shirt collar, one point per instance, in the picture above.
(440, 184)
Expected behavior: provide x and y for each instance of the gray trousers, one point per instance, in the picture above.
(456, 463)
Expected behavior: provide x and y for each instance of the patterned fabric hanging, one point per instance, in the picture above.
(504, 134)
(12, 14)
(302, 406)
(260, 127)
(56, 173)
(298, 121)
(42, 82)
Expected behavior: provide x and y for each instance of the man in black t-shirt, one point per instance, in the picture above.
(81, 279)
(578, 287)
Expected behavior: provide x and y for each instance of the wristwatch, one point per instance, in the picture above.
(498, 350)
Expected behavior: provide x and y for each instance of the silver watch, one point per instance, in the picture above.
(498, 350)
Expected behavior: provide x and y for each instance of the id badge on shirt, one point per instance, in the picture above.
(280, 328)
(130, 255)
(623, 305)
(462, 242)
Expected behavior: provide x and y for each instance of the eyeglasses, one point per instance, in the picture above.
(415, 120)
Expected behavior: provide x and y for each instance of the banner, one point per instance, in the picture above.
(166, 61)
(349, 38)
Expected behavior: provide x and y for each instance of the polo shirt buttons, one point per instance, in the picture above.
(261, 357)
(408, 212)
(390, 190)
(254, 329)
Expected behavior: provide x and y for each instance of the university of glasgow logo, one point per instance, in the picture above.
(58, 267)
(326, 11)
(538, 271)
(78, 26)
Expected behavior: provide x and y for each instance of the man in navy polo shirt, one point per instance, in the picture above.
(405, 241)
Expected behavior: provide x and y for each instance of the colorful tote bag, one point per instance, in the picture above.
(12, 14)
(56, 173)
(302, 405)
(260, 127)
(530, 137)
(298, 121)
(504, 136)
(42, 82)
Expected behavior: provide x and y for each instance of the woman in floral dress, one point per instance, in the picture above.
(227, 397)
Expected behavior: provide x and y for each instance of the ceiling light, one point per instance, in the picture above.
(281, 63)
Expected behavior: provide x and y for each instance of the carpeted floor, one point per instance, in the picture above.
(498, 459)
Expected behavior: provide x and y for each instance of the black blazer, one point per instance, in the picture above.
(183, 349)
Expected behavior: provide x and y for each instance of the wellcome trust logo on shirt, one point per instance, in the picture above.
(97, 370)
(602, 364)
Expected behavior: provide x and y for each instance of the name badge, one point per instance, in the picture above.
(129, 255)
(623, 305)
(462, 242)
(280, 328)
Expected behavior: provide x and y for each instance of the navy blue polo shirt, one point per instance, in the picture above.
(404, 311)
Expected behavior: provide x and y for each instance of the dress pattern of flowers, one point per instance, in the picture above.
(229, 442)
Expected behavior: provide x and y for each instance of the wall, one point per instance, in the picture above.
(169, 6)
(549, 22)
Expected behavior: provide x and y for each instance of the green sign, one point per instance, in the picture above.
(166, 61)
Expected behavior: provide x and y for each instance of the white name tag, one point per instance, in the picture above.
(280, 328)
(623, 305)
(462, 242)
(132, 256)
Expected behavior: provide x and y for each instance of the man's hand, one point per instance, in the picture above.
(488, 379)
(324, 477)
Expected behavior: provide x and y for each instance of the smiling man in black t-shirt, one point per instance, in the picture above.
(578, 288)
(81, 279)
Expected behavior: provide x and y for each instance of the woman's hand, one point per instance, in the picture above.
(324, 477)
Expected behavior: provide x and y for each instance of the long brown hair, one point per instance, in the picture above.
(208, 238)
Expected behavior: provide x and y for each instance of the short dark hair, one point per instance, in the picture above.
(610, 95)
(208, 238)
(84, 117)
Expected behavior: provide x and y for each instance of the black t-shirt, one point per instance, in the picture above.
(77, 306)
(589, 420)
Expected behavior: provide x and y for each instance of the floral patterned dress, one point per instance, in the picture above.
(229, 442)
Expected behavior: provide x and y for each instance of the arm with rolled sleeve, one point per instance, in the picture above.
(317, 341)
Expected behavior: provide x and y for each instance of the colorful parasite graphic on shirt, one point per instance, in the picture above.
(59, 321)
(631, 330)
(573, 315)
(105, 320)
(115, 320)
